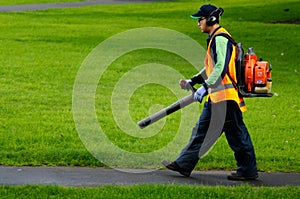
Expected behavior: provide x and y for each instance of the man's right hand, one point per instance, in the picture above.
(200, 93)
(186, 84)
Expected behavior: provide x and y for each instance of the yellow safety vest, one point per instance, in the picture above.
(226, 90)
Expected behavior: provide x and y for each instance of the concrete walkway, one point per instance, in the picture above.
(28, 7)
(84, 176)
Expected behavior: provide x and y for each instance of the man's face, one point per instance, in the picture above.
(202, 25)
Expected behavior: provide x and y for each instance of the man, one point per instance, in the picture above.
(222, 111)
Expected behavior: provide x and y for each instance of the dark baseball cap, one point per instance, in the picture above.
(204, 11)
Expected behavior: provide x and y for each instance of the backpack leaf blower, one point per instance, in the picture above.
(254, 76)
(253, 80)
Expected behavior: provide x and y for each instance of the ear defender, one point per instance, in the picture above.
(214, 16)
(211, 20)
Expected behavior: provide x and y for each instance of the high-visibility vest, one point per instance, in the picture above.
(226, 90)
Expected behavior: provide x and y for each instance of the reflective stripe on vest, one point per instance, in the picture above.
(219, 88)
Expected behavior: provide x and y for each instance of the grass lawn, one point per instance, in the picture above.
(148, 191)
(19, 2)
(42, 52)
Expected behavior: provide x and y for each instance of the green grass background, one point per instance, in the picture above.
(19, 2)
(43, 50)
(149, 191)
(41, 53)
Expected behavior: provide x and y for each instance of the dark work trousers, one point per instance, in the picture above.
(215, 119)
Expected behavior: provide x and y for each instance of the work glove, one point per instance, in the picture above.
(185, 84)
(200, 93)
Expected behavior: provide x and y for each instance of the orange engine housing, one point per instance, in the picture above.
(256, 72)
(260, 73)
(250, 62)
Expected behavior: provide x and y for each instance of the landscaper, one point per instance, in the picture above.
(222, 111)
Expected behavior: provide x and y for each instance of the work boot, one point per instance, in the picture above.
(239, 177)
(174, 167)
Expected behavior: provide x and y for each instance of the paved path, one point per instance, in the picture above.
(84, 176)
(27, 7)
